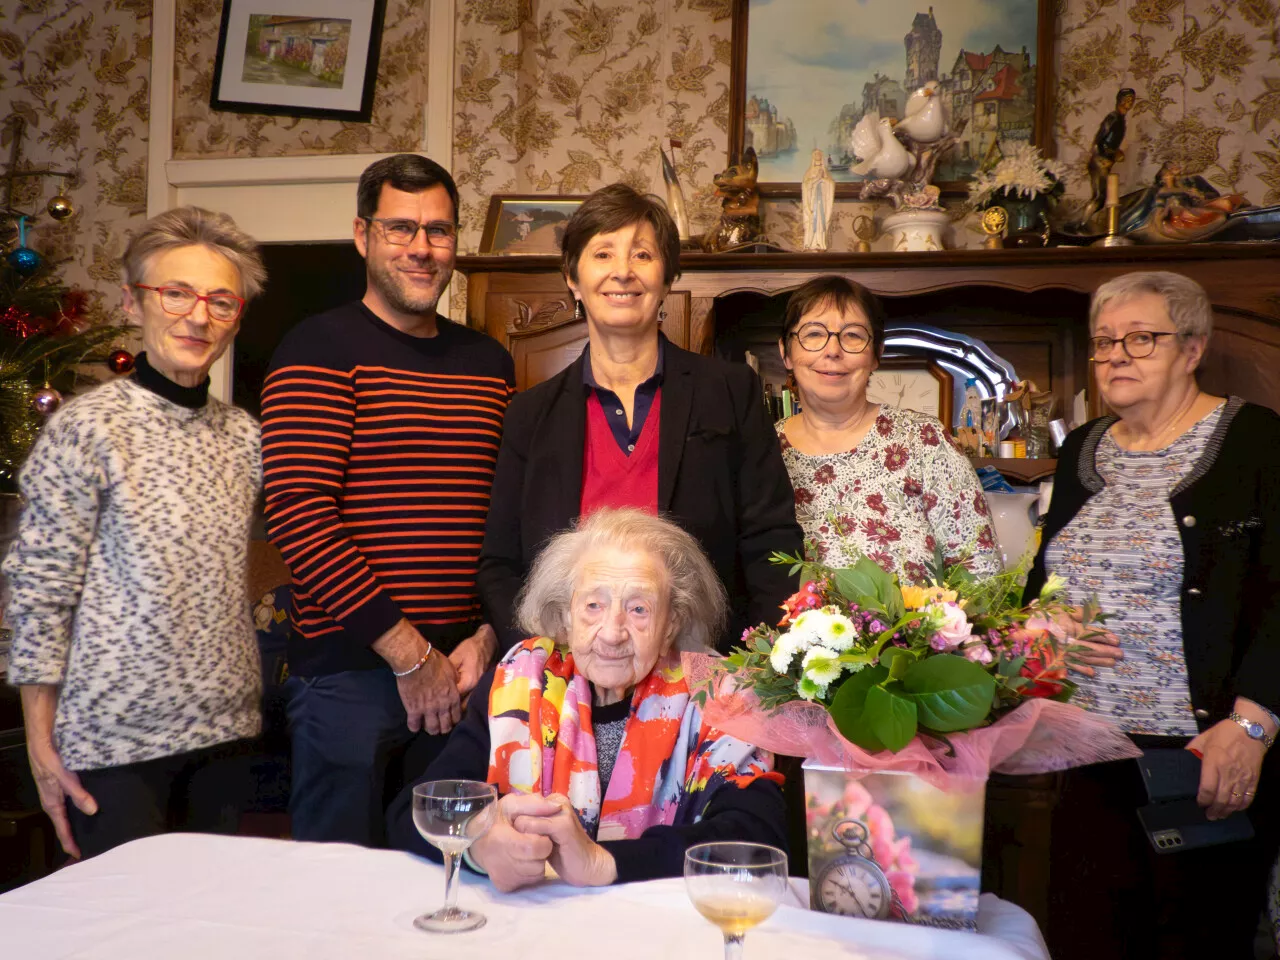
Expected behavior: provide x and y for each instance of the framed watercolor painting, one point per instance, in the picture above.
(806, 71)
(526, 223)
(299, 58)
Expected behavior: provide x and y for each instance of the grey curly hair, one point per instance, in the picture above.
(697, 598)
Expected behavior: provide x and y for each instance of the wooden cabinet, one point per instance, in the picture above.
(1030, 306)
(531, 314)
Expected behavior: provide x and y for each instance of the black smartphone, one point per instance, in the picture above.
(1173, 821)
(1177, 825)
(1170, 774)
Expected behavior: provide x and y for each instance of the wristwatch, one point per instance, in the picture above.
(1253, 729)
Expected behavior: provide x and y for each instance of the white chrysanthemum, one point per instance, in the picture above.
(810, 690)
(784, 651)
(821, 666)
(811, 621)
(838, 633)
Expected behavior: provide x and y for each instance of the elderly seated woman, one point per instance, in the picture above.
(604, 767)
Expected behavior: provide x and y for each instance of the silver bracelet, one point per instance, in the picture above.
(416, 666)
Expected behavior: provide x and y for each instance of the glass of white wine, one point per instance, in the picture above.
(736, 886)
(451, 815)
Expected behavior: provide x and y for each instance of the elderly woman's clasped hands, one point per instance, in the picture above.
(531, 832)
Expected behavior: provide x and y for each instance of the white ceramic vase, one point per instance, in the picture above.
(914, 230)
(1014, 521)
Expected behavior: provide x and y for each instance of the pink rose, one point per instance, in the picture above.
(978, 652)
(904, 885)
(856, 799)
(954, 628)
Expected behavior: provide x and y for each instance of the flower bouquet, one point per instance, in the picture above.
(889, 661)
(916, 692)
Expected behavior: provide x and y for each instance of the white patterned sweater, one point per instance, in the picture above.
(128, 578)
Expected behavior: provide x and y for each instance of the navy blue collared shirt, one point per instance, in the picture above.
(626, 436)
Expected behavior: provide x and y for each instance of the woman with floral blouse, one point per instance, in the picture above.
(870, 480)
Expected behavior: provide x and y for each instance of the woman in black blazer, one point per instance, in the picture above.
(707, 458)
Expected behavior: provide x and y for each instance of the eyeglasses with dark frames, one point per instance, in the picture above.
(181, 301)
(1136, 344)
(814, 337)
(401, 233)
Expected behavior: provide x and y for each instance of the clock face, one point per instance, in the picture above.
(854, 886)
(906, 389)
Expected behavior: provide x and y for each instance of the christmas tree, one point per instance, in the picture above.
(44, 336)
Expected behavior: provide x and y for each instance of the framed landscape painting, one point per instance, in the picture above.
(526, 223)
(806, 71)
(299, 58)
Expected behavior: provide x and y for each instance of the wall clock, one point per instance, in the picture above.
(914, 383)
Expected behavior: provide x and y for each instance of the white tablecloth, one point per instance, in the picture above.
(195, 896)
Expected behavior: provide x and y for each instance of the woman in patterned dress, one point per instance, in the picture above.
(604, 768)
(870, 480)
(1167, 513)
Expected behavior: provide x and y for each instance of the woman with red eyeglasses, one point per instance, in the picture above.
(133, 646)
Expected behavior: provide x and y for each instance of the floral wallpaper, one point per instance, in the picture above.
(1207, 76)
(397, 124)
(564, 96)
(78, 75)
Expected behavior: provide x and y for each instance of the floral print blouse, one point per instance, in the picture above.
(900, 492)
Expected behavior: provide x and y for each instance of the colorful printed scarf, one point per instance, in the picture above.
(669, 764)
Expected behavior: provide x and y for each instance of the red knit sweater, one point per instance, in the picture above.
(610, 478)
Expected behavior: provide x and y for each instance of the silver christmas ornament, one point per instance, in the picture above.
(46, 400)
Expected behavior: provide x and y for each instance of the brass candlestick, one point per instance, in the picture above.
(1113, 237)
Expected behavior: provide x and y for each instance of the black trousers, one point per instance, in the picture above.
(203, 791)
(1112, 896)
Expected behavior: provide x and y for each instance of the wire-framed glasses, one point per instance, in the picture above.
(180, 301)
(401, 233)
(814, 337)
(1136, 344)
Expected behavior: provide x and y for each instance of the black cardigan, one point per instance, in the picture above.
(752, 814)
(1228, 513)
(720, 477)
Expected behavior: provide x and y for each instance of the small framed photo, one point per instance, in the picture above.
(526, 224)
(299, 58)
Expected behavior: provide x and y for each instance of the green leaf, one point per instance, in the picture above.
(950, 692)
(762, 645)
(849, 703)
(898, 660)
(1010, 668)
(890, 717)
(865, 583)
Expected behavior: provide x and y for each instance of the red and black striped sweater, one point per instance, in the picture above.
(378, 453)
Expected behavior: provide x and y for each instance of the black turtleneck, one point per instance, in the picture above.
(193, 398)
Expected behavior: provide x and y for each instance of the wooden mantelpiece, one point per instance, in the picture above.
(521, 300)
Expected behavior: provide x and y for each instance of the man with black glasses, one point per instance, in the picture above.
(381, 422)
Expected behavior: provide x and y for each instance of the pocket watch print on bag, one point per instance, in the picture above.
(852, 883)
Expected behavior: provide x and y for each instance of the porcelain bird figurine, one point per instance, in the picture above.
(925, 120)
(882, 154)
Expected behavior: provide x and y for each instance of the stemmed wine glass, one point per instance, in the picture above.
(736, 886)
(451, 815)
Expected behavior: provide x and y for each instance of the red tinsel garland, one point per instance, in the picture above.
(22, 323)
